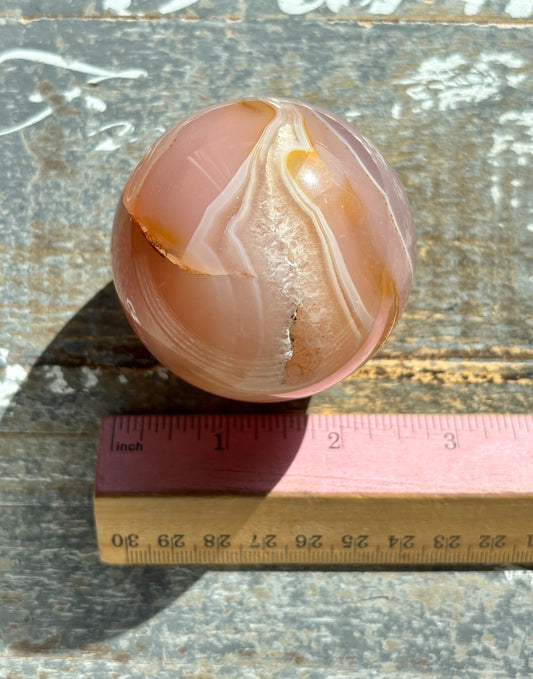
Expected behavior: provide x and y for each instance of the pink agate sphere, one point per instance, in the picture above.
(263, 249)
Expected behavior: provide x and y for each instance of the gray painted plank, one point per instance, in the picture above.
(190, 623)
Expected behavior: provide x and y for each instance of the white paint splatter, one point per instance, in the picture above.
(36, 98)
(447, 82)
(118, 7)
(122, 129)
(519, 9)
(496, 190)
(513, 134)
(518, 576)
(473, 7)
(297, 7)
(96, 74)
(518, 141)
(95, 103)
(161, 372)
(529, 227)
(123, 7)
(58, 383)
(396, 111)
(11, 377)
(382, 6)
(521, 142)
(123, 379)
(90, 378)
(32, 120)
(352, 114)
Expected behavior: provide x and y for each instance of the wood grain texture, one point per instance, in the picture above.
(446, 95)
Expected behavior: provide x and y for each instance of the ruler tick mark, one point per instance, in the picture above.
(112, 447)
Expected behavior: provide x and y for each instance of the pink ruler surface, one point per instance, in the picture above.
(316, 454)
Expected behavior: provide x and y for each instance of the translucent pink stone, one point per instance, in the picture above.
(263, 249)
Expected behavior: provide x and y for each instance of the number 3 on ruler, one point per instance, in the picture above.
(450, 440)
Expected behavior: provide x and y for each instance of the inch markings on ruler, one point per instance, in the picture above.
(315, 489)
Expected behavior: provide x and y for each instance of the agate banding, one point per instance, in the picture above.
(263, 249)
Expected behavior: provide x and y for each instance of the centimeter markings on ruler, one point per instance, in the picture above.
(315, 489)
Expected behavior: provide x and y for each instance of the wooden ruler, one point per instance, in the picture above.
(316, 489)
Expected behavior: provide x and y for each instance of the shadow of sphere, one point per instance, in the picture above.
(55, 594)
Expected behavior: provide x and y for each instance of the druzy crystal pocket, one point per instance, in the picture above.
(263, 249)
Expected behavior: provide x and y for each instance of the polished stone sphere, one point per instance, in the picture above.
(263, 249)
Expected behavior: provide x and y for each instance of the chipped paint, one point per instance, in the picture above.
(384, 7)
(118, 7)
(516, 9)
(57, 382)
(90, 377)
(519, 9)
(519, 576)
(447, 82)
(496, 192)
(11, 377)
(297, 7)
(162, 372)
(123, 7)
(518, 140)
(513, 134)
(473, 7)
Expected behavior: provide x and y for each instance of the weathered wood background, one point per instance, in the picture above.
(445, 90)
